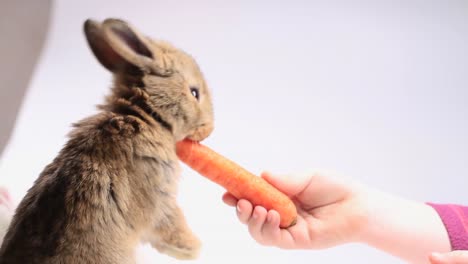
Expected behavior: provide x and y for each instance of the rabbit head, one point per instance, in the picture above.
(169, 79)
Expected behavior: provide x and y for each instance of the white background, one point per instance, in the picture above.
(376, 90)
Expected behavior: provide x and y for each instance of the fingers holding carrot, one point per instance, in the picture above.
(240, 183)
(275, 181)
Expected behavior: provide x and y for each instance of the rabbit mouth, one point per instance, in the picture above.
(201, 132)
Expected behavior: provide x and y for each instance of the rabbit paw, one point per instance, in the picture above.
(182, 249)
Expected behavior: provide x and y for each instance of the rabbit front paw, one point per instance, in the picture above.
(182, 248)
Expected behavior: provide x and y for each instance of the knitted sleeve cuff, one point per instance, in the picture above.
(455, 219)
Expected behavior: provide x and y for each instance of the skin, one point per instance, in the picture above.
(454, 257)
(334, 211)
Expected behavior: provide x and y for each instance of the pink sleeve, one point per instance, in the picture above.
(455, 219)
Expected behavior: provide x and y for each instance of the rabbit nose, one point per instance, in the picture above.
(201, 132)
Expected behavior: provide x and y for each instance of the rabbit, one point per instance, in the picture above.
(114, 183)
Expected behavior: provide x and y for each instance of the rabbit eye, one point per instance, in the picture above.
(195, 92)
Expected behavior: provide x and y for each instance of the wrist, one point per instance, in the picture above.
(406, 229)
(366, 198)
(377, 205)
(360, 214)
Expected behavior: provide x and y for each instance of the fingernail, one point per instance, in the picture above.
(238, 208)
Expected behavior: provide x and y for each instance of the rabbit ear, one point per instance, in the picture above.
(101, 49)
(117, 46)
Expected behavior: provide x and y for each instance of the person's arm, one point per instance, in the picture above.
(407, 229)
(333, 211)
(455, 219)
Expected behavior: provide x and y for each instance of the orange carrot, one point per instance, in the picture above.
(236, 180)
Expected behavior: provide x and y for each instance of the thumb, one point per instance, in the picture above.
(289, 184)
(453, 257)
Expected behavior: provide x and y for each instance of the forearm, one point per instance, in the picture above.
(407, 229)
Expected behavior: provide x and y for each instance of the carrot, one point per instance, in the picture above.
(237, 180)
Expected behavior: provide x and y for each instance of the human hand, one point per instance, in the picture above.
(330, 209)
(334, 211)
(453, 257)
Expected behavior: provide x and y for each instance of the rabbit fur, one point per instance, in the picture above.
(114, 183)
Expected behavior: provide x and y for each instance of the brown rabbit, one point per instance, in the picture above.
(114, 183)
